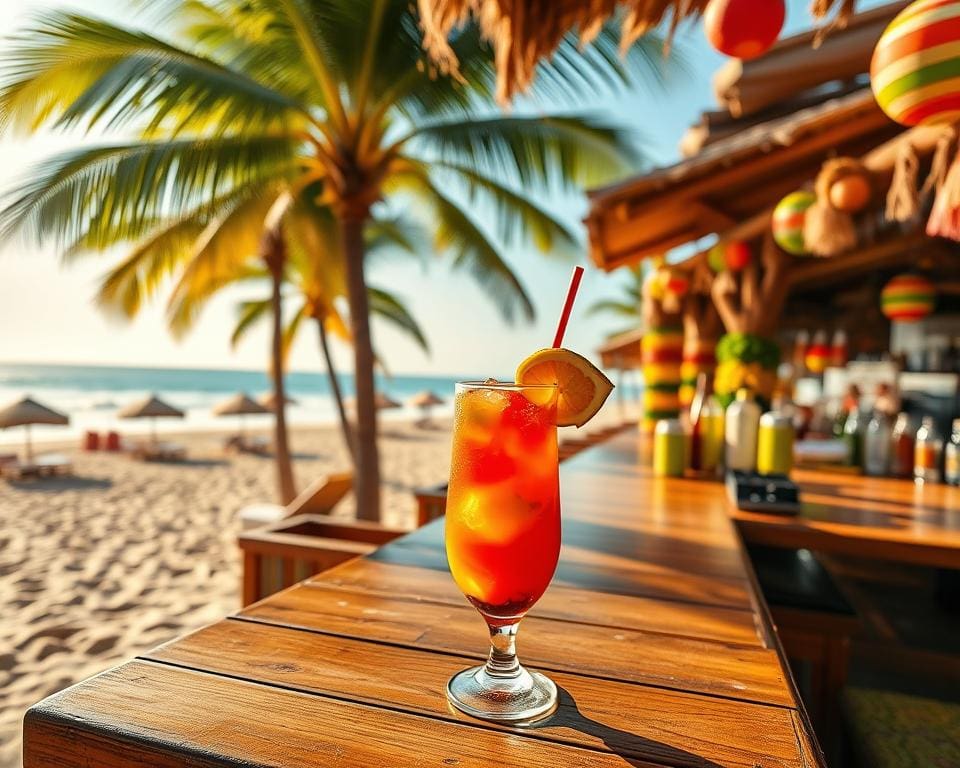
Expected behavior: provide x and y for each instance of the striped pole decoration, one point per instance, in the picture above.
(699, 356)
(908, 298)
(915, 70)
(661, 355)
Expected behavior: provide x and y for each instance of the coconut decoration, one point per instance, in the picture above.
(828, 227)
(743, 29)
(908, 298)
(788, 221)
(916, 64)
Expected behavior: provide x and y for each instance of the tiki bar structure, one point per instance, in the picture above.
(800, 207)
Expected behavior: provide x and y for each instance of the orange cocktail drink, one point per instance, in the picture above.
(503, 506)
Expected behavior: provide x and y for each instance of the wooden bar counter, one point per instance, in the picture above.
(653, 630)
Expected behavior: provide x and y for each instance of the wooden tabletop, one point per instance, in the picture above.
(652, 630)
(882, 518)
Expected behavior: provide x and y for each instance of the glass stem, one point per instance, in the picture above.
(503, 661)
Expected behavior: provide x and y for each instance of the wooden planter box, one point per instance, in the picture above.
(281, 554)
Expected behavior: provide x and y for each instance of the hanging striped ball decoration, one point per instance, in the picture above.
(915, 70)
(908, 298)
(787, 223)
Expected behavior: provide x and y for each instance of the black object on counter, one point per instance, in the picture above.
(753, 492)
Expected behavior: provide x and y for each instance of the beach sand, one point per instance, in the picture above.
(126, 555)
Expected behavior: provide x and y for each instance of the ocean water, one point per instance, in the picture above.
(92, 395)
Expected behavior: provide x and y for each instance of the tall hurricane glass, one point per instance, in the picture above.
(503, 536)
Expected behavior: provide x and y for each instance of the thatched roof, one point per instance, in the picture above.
(239, 405)
(425, 399)
(150, 407)
(29, 411)
(524, 31)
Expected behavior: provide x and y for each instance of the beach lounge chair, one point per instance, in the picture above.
(318, 498)
(258, 445)
(159, 451)
(45, 465)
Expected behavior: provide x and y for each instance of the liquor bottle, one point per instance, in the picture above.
(740, 433)
(877, 445)
(838, 349)
(853, 437)
(927, 453)
(901, 455)
(951, 460)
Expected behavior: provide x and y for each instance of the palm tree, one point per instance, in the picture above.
(315, 272)
(253, 99)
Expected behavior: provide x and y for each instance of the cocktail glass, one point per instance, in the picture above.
(503, 536)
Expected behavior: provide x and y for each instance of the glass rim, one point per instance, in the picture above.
(505, 385)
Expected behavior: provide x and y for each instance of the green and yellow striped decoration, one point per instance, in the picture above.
(787, 222)
(908, 298)
(915, 70)
(661, 354)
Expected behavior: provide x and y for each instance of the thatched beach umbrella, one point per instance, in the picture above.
(153, 408)
(26, 412)
(241, 404)
(425, 401)
(381, 402)
(269, 401)
(522, 32)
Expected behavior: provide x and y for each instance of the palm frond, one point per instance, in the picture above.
(564, 151)
(227, 252)
(320, 29)
(517, 216)
(387, 235)
(81, 70)
(118, 191)
(249, 313)
(389, 307)
(612, 306)
(126, 286)
(290, 331)
(575, 71)
(458, 234)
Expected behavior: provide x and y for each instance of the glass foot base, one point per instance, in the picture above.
(520, 700)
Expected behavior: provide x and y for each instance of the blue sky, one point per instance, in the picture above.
(46, 312)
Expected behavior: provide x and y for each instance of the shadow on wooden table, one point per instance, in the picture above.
(635, 750)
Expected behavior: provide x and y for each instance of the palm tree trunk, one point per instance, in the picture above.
(335, 389)
(274, 256)
(366, 486)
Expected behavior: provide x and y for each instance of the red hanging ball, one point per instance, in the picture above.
(737, 256)
(744, 29)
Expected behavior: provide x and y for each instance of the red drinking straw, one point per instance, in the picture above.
(568, 305)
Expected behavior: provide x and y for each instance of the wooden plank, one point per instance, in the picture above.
(879, 518)
(578, 570)
(144, 713)
(560, 602)
(749, 673)
(633, 721)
